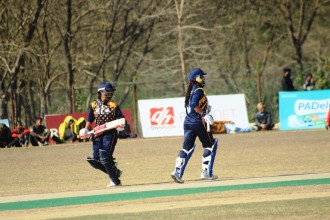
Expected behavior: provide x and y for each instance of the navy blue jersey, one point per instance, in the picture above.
(102, 113)
(197, 98)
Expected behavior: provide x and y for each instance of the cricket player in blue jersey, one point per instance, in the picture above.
(195, 125)
(104, 110)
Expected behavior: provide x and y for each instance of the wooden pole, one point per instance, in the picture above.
(136, 129)
(12, 105)
(73, 98)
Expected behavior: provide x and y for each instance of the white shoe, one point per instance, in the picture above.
(176, 178)
(112, 184)
(206, 176)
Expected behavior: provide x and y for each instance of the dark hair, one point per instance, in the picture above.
(18, 122)
(39, 118)
(286, 70)
(308, 74)
(186, 102)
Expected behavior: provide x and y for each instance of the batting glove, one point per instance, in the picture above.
(209, 119)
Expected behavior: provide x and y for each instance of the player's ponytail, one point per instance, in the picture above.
(186, 102)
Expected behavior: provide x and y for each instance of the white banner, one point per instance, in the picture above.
(164, 117)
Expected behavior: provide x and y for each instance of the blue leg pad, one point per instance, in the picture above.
(182, 160)
(209, 157)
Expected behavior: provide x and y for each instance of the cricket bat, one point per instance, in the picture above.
(98, 130)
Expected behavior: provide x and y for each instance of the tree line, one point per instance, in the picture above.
(54, 53)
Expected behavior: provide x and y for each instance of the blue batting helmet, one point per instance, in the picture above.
(195, 73)
(105, 86)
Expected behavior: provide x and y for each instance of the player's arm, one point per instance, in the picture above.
(118, 113)
(198, 94)
(198, 110)
(88, 126)
(90, 119)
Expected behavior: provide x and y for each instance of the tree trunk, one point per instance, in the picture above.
(67, 42)
(179, 11)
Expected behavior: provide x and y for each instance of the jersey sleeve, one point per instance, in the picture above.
(197, 95)
(118, 112)
(91, 116)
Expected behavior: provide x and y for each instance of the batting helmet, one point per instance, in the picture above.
(195, 75)
(106, 89)
(105, 86)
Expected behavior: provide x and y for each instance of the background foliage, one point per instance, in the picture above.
(54, 53)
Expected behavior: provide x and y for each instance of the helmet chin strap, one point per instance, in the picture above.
(200, 80)
(107, 99)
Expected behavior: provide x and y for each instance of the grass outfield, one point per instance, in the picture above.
(288, 209)
(62, 168)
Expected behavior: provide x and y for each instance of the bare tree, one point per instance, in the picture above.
(49, 45)
(66, 42)
(16, 67)
(179, 12)
(126, 29)
(298, 31)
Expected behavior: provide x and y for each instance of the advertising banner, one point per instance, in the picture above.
(303, 110)
(165, 117)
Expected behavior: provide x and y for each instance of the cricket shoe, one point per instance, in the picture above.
(118, 172)
(175, 176)
(112, 184)
(206, 176)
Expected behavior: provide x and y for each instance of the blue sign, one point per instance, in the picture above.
(303, 110)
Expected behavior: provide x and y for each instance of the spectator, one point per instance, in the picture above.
(229, 127)
(81, 123)
(126, 133)
(263, 119)
(20, 136)
(327, 119)
(5, 135)
(287, 84)
(68, 129)
(39, 133)
(309, 83)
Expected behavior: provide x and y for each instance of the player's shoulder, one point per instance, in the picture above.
(112, 104)
(199, 90)
(94, 104)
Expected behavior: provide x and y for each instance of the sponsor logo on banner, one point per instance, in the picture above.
(163, 117)
(303, 110)
(303, 106)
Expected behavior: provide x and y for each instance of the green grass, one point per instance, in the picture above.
(315, 208)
